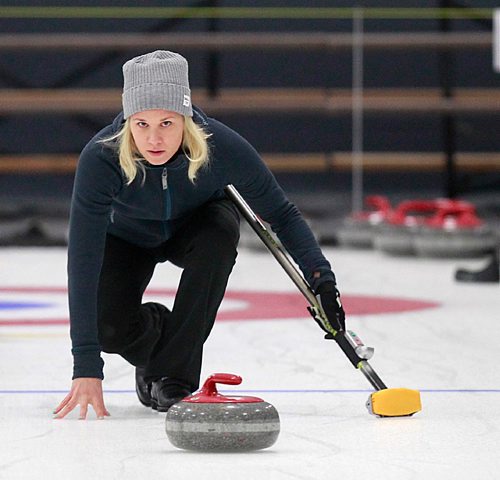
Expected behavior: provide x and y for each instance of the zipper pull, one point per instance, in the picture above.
(164, 183)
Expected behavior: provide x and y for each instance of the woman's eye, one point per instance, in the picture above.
(166, 123)
(142, 124)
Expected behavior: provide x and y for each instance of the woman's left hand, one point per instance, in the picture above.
(329, 299)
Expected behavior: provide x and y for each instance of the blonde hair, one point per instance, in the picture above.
(194, 145)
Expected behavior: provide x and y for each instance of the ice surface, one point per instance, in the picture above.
(326, 433)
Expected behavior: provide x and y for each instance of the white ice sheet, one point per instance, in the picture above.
(447, 352)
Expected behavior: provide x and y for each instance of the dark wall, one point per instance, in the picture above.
(64, 133)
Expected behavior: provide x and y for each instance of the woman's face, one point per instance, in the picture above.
(157, 134)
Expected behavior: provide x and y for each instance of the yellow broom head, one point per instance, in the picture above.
(394, 402)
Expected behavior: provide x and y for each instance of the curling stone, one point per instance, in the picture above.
(455, 231)
(395, 236)
(209, 421)
(13, 231)
(358, 230)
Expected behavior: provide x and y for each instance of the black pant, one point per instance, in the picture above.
(168, 344)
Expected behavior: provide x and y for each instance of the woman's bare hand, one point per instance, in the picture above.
(84, 392)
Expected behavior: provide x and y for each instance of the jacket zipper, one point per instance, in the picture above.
(164, 181)
(166, 196)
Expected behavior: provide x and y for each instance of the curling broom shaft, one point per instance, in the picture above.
(270, 243)
(315, 308)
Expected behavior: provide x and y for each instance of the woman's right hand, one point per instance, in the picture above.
(84, 392)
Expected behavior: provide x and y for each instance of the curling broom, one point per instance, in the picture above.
(384, 402)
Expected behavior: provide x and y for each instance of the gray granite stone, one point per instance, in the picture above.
(222, 426)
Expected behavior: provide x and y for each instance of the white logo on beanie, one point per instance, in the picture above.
(187, 101)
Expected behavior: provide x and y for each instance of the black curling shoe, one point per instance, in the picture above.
(166, 392)
(142, 389)
(489, 274)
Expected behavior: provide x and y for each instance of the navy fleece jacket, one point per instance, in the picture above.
(150, 210)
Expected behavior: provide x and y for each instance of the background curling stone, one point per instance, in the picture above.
(209, 421)
(358, 229)
(395, 235)
(455, 231)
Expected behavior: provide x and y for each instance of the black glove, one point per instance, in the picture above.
(329, 299)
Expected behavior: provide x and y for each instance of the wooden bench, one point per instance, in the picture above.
(238, 41)
(318, 100)
(287, 162)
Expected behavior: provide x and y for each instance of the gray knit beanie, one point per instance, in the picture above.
(156, 80)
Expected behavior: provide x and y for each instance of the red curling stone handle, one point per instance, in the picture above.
(209, 394)
(210, 385)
